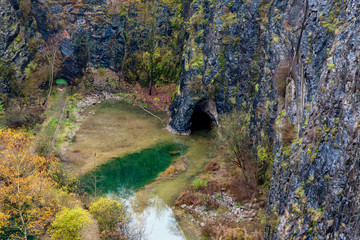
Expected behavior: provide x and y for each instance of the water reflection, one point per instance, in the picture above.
(158, 218)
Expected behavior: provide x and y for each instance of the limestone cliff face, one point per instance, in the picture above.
(315, 187)
(11, 47)
(235, 62)
(280, 61)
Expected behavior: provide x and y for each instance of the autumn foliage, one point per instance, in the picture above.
(33, 202)
(27, 201)
(70, 223)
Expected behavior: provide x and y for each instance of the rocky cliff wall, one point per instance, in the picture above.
(91, 34)
(290, 64)
(315, 186)
(221, 60)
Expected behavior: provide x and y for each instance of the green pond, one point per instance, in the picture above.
(132, 171)
(120, 150)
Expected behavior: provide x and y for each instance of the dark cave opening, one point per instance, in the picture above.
(201, 121)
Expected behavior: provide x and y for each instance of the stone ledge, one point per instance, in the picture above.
(176, 132)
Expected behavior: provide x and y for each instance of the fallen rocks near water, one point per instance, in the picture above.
(94, 99)
(235, 212)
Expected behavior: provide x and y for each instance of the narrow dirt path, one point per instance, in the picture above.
(62, 107)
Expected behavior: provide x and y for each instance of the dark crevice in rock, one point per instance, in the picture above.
(200, 120)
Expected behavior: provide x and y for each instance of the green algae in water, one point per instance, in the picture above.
(132, 171)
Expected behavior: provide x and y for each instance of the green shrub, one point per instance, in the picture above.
(69, 224)
(265, 159)
(111, 215)
(33, 45)
(199, 183)
(7, 71)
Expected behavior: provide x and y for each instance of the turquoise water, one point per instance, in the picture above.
(132, 171)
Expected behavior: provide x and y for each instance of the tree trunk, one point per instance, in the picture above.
(24, 229)
(52, 64)
(151, 68)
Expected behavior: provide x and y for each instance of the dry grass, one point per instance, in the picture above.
(180, 165)
(170, 171)
(189, 198)
(176, 168)
(225, 229)
(241, 189)
(212, 166)
(212, 187)
(160, 98)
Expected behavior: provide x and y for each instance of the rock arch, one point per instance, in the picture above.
(196, 115)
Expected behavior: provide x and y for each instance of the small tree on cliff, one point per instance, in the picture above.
(42, 69)
(128, 10)
(151, 55)
(232, 136)
(54, 59)
(147, 23)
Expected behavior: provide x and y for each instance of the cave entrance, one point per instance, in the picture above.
(201, 121)
(204, 116)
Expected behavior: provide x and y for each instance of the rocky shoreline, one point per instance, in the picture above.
(235, 213)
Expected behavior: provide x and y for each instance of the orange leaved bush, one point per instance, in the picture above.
(27, 192)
